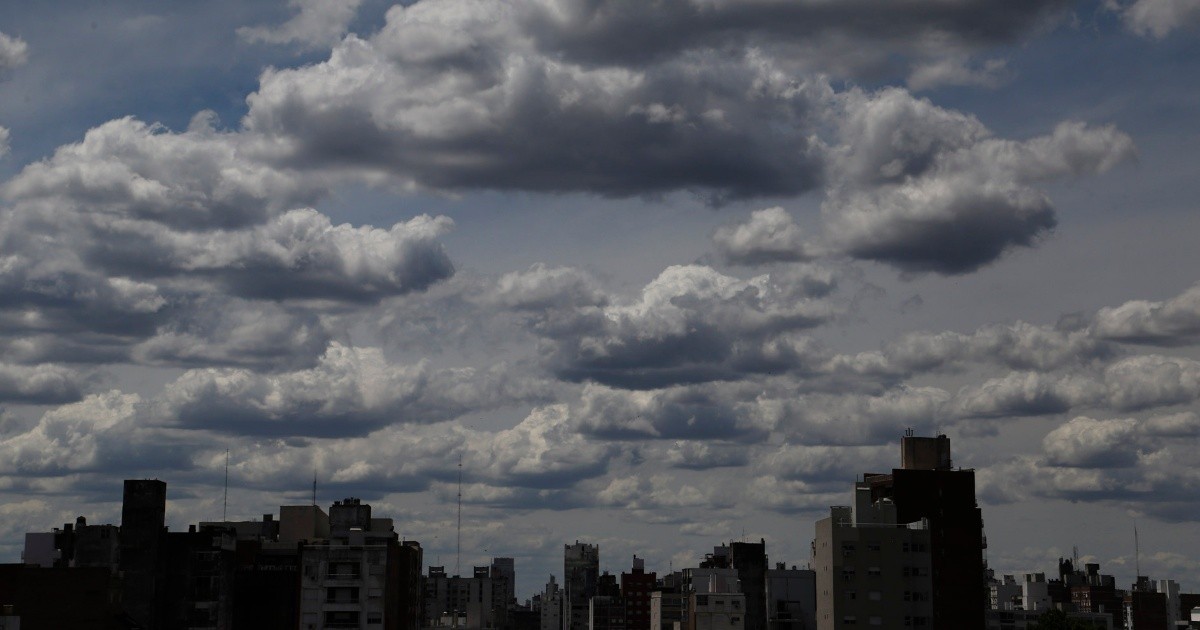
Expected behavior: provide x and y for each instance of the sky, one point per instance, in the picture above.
(653, 275)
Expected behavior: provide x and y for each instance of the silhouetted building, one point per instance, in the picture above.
(1145, 609)
(58, 598)
(636, 587)
(266, 585)
(791, 598)
(506, 568)
(928, 488)
(581, 573)
(606, 612)
(143, 519)
(196, 591)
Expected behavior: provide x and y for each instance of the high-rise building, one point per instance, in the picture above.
(636, 587)
(143, 519)
(552, 606)
(506, 568)
(791, 598)
(581, 574)
(871, 569)
(927, 487)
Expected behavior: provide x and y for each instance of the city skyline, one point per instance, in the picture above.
(647, 276)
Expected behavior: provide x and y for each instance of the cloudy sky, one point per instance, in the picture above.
(659, 274)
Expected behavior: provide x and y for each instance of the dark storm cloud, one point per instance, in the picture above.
(605, 31)
(468, 108)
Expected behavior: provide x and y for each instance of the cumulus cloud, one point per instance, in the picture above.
(1143, 382)
(693, 413)
(927, 189)
(1026, 394)
(1090, 443)
(1018, 346)
(101, 432)
(317, 23)
(958, 71)
(351, 391)
(691, 324)
(546, 288)
(541, 453)
(13, 52)
(1172, 322)
(702, 455)
(1157, 18)
(768, 236)
(300, 254)
(834, 419)
(128, 169)
(453, 95)
(40, 384)
(232, 332)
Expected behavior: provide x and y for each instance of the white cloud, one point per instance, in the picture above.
(317, 24)
(770, 235)
(951, 70)
(1157, 18)
(927, 189)
(13, 52)
(1175, 321)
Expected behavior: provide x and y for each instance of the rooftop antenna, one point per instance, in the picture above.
(1137, 552)
(225, 501)
(314, 497)
(458, 545)
(1074, 557)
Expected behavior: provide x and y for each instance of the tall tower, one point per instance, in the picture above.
(143, 517)
(581, 574)
(926, 487)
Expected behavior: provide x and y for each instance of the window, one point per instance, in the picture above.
(874, 596)
(874, 571)
(850, 620)
(702, 600)
(875, 621)
(873, 545)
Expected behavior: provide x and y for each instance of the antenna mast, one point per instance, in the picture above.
(225, 501)
(314, 497)
(1137, 552)
(458, 549)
